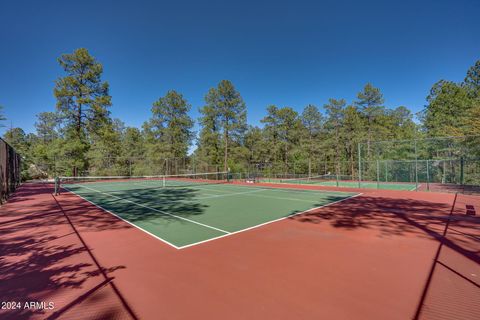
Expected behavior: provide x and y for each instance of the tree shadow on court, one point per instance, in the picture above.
(397, 217)
(41, 257)
(451, 285)
(158, 206)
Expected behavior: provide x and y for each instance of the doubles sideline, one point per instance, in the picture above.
(225, 233)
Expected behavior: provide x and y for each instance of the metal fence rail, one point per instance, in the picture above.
(10, 171)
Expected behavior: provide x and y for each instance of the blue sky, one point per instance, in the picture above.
(284, 53)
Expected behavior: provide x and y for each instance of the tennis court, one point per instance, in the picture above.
(186, 210)
(343, 182)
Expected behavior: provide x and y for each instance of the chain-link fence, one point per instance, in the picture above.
(432, 174)
(446, 163)
(119, 166)
(440, 163)
(10, 171)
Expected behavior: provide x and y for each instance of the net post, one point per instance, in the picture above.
(164, 182)
(57, 185)
(337, 179)
(378, 174)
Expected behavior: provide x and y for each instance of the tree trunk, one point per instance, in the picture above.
(337, 151)
(369, 137)
(310, 156)
(79, 121)
(225, 154)
(352, 162)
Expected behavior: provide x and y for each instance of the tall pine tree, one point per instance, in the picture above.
(82, 102)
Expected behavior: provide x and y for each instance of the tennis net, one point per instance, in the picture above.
(107, 183)
(326, 178)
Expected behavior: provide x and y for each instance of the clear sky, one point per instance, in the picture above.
(284, 53)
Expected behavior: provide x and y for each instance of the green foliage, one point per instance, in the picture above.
(81, 138)
(472, 80)
(17, 138)
(104, 153)
(82, 102)
(169, 131)
(224, 122)
(208, 146)
(370, 101)
(283, 132)
(448, 107)
(82, 97)
(22, 143)
(47, 126)
(312, 121)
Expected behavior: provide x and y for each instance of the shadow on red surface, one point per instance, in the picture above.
(42, 257)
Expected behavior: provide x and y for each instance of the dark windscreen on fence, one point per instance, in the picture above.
(9, 170)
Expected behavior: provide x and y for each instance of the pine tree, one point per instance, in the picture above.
(335, 113)
(312, 121)
(472, 80)
(209, 141)
(82, 102)
(352, 133)
(171, 126)
(224, 120)
(447, 109)
(232, 114)
(370, 100)
(283, 129)
(47, 126)
(17, 138)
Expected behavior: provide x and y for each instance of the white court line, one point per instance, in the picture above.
(129, 191)
(284, 189)
(415, 188)
(268, 222)
(232, 186)
(130, 223)
(241, 193)
(229, 194)
(283, 198)
(219, 237)
(160, 211)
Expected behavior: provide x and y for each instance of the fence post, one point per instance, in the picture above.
(55, 173)
(428, 177)
(416, 166)
(444, 177)
(386, 170)
(378, 174)
(359, 166)
(462, 181)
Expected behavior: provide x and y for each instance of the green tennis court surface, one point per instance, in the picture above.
(347, 184)
(184, 215)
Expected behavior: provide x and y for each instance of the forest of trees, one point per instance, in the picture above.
(80, 136)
